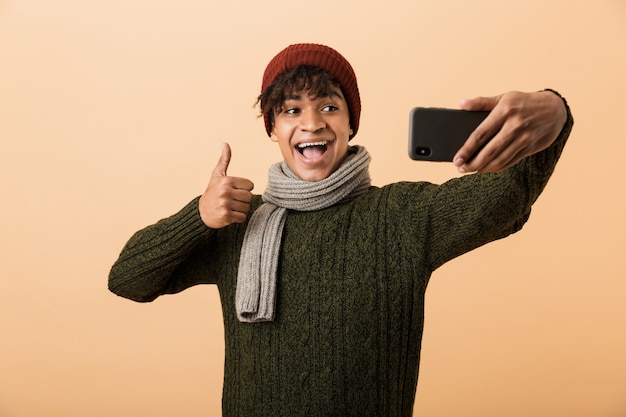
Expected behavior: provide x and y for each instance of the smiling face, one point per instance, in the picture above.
(313, 133)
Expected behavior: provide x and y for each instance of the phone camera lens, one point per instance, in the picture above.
(423, 151)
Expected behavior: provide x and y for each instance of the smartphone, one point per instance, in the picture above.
(436, 134)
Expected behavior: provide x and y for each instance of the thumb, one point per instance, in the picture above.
(222, 164)
(479, 103)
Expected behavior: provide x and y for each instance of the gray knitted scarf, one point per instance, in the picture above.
(256, 280)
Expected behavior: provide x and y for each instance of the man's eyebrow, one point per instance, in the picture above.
(333, 93)
(293, 97)
(337, 93)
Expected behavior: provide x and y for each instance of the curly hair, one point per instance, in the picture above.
(314, 80)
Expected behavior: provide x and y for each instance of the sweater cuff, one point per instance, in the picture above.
(569, 122)
(189, 220)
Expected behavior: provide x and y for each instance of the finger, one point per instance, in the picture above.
(497, 161)
(239, 207)
(501, 150)
(222, 165)
(504, 161)
(481, 135)
(241, 194)
(242, 184)
(238, 217)
(485, 156)
(480, 103)
(476, 143)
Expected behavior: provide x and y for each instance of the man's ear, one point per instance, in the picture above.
(273, 136)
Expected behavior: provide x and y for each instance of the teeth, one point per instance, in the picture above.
(307, 144)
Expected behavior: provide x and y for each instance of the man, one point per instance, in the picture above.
(322, 279)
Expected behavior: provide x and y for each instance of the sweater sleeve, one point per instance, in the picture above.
(470, 211)
(147, 265)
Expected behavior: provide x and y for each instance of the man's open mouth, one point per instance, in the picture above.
(311, 150)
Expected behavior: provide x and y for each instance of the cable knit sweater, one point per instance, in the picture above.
(351, 284)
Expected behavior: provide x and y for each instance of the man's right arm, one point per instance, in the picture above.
(184, 249)
(146, 266)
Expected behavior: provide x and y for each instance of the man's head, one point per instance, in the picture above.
(311, 108)
(312, 68)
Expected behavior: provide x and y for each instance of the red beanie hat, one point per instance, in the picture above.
(322, 57)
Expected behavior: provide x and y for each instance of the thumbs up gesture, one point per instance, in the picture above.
(226, 200)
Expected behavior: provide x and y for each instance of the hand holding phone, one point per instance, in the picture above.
(519, 125)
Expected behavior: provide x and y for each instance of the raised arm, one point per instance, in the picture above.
(187, 248)
(475, 209)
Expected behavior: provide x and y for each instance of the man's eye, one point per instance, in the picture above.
(330, 108)
(291, 110)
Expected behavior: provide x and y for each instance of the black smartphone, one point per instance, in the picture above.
(436, 134)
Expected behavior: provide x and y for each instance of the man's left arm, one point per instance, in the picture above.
(476, 209)
(519, 125)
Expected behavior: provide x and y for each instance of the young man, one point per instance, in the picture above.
(322, 279)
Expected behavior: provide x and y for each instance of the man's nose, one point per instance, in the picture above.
(312, 121)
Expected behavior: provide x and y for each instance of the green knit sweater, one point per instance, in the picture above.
(351, 284)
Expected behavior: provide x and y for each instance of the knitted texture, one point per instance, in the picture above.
(347, 331)
(256, 280)
(323, 57)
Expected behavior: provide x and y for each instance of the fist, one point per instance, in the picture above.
(226, 200)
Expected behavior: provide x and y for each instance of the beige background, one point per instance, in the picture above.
(111, 116)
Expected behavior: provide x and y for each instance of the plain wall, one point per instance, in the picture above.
(111, 117)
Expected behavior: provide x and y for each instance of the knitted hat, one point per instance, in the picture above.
(322, 57)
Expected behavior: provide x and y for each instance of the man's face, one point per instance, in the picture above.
(313, 134)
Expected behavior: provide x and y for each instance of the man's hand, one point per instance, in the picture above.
(519, 125)
(226, 200)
